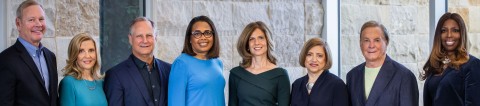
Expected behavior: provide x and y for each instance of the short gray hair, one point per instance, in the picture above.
(139, 19)
(375, 24)
(24, 5)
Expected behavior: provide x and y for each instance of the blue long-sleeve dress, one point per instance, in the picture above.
(195, 82)
(74, 92)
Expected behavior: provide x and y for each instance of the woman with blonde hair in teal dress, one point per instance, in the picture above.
(82, 84)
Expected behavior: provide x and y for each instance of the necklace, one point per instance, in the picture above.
(90, 87)
(309, 86)
(446, 60)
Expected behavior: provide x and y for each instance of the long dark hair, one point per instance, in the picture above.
(434, 63)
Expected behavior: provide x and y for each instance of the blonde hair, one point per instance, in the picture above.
(312, 43)
(72, 67)
(243, 40)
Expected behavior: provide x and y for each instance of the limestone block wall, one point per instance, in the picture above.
(290, 21)
(470, 12)
(406, 21)
(64, 19)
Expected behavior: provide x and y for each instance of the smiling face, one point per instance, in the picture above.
(87, 55)
(450, 35)
(142, 39)
(31, 25)
(204, 40)
(373, 44)
(257, 43)
(315, 59)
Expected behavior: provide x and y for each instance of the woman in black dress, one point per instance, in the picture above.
(452, 75)
(319, 87)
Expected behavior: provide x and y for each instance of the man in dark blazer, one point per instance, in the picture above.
(380, 81)
(141, 80)
(28, 71)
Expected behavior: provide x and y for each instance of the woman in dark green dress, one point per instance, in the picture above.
(258, 81)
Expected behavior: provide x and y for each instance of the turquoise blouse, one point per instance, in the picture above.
(74, 92)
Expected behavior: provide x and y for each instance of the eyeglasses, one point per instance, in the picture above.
(198, 34)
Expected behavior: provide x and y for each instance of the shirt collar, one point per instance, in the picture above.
(31, 49)
(141, 64)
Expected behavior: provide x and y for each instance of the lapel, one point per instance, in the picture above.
(360, 84)
(304, 97)
(318, 83)
(301, 98)
(137, 78)
(163, 81)
(52, 72)
(383, 79)
(161, 71)
(29, 62)
(315, 92)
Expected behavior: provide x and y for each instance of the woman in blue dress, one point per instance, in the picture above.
(319, 87)
(82, 84)
(196, 76)
(452, 74)
(258, 81)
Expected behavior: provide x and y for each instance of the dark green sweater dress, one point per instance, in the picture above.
(270, 88)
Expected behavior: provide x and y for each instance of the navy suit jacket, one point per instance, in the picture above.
(328, 90)
(395, 85)
(456, 87)
(124, 85)
(21, 82)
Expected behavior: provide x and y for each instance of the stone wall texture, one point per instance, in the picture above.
(406, 21)
(470, 12)
(290, 21)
